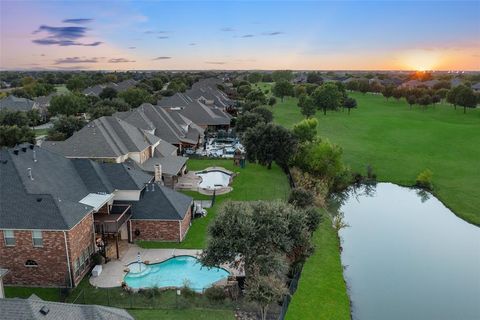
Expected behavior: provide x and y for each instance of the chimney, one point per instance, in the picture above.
(158, 172)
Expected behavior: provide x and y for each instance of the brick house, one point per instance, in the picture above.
(56, 212)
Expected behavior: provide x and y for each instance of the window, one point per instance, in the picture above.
(31, 263)
(76, 267)
(37, 238)
(9, 237)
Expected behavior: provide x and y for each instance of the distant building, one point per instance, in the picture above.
(119, 87)
(13, 103)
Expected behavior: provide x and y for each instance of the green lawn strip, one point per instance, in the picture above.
(254, 182)
(182, 314)
(321, 293)
(62, 89)
(50, 294)
(40, 132)
(399, 143)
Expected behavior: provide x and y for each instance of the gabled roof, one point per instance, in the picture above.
(159, 202)
(193, 109)
(120, 87)
(40, 189)
(29, 309)
(105, 137)
(171, 165)
(16, 104)
(171, 129)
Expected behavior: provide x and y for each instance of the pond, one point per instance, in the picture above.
(407, 256)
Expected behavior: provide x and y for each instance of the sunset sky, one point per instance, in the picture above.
(356, 35)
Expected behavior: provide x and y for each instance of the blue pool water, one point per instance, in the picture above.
(174, 272)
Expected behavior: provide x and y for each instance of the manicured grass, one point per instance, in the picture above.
(193, 314)
(50, 294)
(399, 143)
(254, 182)
(40, 132)
(62, 89)
(321, 293)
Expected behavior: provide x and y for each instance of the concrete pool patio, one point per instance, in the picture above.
(191, 181)
(113, 272)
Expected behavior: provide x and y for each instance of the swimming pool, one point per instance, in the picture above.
(214, 179)
(174, 272)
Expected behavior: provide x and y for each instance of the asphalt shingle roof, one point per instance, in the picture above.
(159, 202)
(105, 137)
(16, 104)
(29, 309)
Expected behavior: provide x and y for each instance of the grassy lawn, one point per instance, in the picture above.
(41, 132)
(321, 293)
(193, 314)
(399, 143)
(254, 182)
(50, 294)
(62, 89)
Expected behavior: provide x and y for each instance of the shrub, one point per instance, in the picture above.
(215, 294)
(187, 291)
(424, 179)
(301, 198)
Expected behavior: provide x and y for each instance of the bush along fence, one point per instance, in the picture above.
(291, 290)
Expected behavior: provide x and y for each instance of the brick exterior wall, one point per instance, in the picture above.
(51, 259)
(161, 230)
(52, 269)
(79, 239)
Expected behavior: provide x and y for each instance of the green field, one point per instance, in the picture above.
(254, 182)
(62, 89)
(321, 293)
(399, 143)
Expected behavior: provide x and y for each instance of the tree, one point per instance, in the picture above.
(282, 89)
(265, 290)
(34, 117)
(282, 75)
(352, 85)
(256, 96)
(266, 114)
(321, 159)
(397, 93)
(76, 84)
(108, 93)
(327, 96)
(411, 100)
(350, 103)
(66, 126)
(387, 91)
(306, 130)
(260, 236)
(307, 105)
(67, 104)
(176, 85)
(425, 100)
(10, 136)
(248, 120)
(13, 118)
(243, 90)
(268, 143)
(363, 86)
(452, 96)
(272, 101)
(314, 77)
(301, 198)
(465, 98)
(135, 97)
(254, 77)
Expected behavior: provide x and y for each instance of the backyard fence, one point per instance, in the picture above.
(291, 290)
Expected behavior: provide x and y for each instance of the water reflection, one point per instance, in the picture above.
(408, 256)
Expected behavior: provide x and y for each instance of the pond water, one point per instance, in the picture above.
(407, 256)
(214, 179)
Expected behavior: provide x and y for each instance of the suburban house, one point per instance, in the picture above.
(172, 127)
(115, 140)
(13, 103)
(202, 112)
(119, 87)
(35, 308)
(56, 212)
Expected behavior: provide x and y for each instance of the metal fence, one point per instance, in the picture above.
(291, 290)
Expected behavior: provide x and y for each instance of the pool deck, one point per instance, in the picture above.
(114, 271)
(191, 181)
